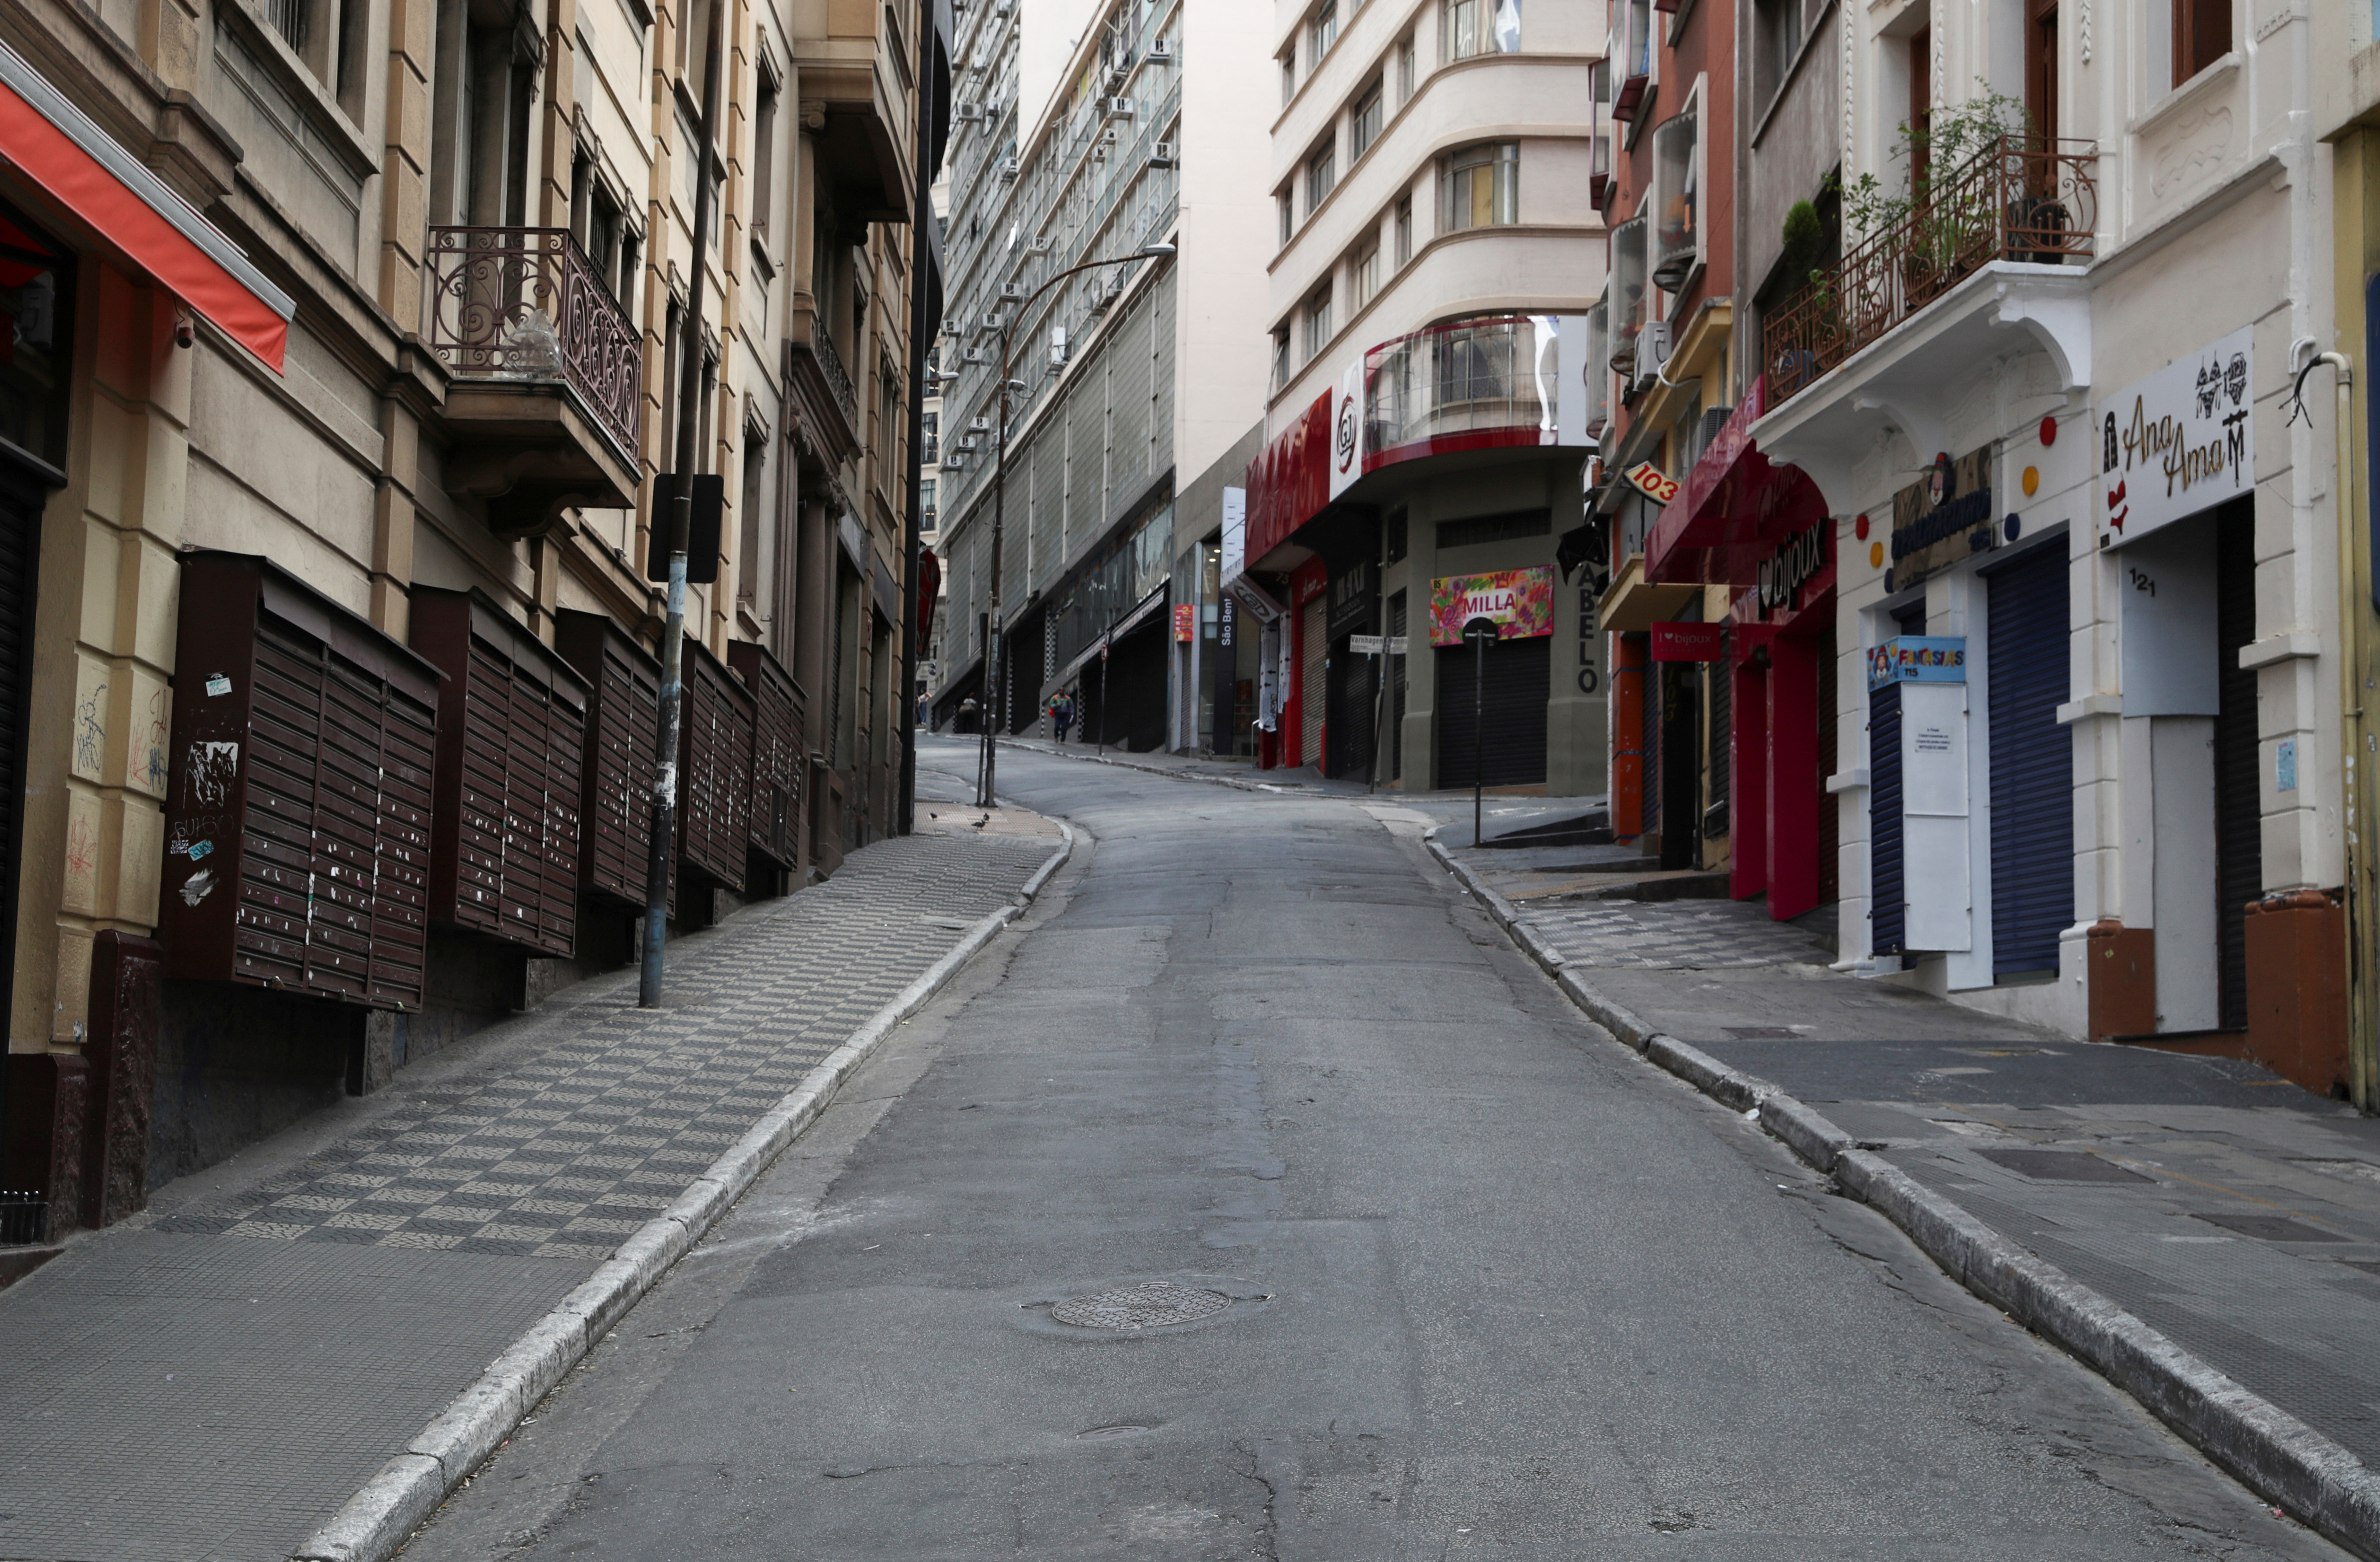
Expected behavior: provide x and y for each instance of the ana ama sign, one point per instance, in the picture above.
(2179, 442)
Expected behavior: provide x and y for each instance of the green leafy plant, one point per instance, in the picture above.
(1940, 224)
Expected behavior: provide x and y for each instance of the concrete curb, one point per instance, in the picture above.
(408, 1488)
(2278, 1457)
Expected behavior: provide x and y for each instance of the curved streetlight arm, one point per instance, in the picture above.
(995, 677)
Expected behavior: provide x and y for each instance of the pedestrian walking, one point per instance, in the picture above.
(1062, 712)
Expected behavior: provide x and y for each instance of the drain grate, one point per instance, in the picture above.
(2270, 1227)
(2061, 1166)
(1149, 1306)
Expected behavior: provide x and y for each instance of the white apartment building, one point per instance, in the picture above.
(1087, 131)
(1435, 251)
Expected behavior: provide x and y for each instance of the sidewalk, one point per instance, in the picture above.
(2214, 1201)
(217, 1376)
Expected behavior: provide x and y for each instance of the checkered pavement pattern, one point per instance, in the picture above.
(1672, 935)
(567, 1148)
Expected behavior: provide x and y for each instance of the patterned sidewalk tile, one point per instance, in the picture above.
(1673, 935)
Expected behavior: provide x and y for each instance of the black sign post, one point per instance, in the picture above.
(1479, 631)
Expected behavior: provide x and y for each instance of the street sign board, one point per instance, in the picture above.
(1373, 645)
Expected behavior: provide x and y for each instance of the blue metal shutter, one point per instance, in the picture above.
(2031, 762)
(1887, 900)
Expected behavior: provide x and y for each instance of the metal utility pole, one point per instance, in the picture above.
(681, 524)
(2357, 759)
(995, 666)
(924, 317)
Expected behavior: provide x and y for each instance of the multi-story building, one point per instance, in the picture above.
(2023, 533)
(349, 344)
(1435, 251)
(1086, 132)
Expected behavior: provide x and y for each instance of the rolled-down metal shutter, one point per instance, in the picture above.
(2238, 842)
(1313, 661)
(2031, 762)
(1354, 707)
(1888, 906)
(1517, 683)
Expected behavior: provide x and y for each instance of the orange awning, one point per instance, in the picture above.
(51, 143)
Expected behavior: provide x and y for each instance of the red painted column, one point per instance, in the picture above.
(1630, 654)
(1747, 809)
(1793, 778)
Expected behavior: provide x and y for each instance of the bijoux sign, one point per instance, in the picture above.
(1794, 564)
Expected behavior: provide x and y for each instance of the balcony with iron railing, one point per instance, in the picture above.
(2022, 201)
(545, 397)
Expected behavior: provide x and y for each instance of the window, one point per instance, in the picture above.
(1288, 76)
(764, 156)
(1403, 224)
(1288, 215)
(1364, 271)
(2201, 34)
(1678, 237)
(1777, 28)
(1281, 358)
(1317, 321)
(1326, 28)
(929, 512)
(755, 500)
(1627, 317)
(1483, 185)
(1364, 124)
(1405, 67)
(2041, 66)
(931, 454)
(1321, 175)
(1482, 27)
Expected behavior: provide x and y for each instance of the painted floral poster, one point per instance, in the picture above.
(1521, 602)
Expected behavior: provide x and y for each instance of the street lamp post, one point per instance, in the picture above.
(995, 661)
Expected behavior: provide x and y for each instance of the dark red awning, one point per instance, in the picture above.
(53, 144)
(1735, 509)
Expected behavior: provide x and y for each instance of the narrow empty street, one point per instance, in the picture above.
(1424, 1266)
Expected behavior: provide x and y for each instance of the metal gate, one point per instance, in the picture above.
(1313, 658)
(2239, 846)
(2031, 762)
(1518, 682)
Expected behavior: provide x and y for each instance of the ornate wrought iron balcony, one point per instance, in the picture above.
(523, 305)
(2020, 199)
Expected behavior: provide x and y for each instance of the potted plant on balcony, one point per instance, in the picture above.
(1948, 218)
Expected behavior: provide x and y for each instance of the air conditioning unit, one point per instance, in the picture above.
(952, 329)
(1110, 137)
(1012, 290)
(1009, 168)
(1159, 49)
(974, 355)
(1120, 108)
(1100, 300)
(1042, 246)
(1162, 156)
(990, 325)
(970, 442)
(1652, 348)
(1003, 7)
(979, 425)
(966, 113)
(1057, 346)
(955, 463)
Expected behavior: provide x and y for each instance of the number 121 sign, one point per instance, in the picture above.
(1647, 480)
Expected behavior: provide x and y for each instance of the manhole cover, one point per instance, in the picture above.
(1149, 1306)
(2061, 1166)
(2271, 1228)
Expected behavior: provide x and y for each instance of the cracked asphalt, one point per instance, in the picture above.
(1490, 1286)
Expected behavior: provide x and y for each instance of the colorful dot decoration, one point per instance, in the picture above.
(1876, 556)
(2031, 480)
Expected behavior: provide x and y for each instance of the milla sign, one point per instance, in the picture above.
(2179, 442)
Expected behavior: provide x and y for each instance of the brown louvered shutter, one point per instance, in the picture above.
(777, 755)
(511, 733)
(616, 775)
(714, 803)
(299, 798)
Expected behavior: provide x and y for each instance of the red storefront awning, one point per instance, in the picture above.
(51, 143)
(1734, 511)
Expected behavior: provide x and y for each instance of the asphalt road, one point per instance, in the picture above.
(1484, 1283)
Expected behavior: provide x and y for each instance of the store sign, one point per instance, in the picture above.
(1519, 603)
(1689, 642)
(1799, 561)
(1918, 659)
(1943, 518)
(1647, 480)
(1185, 621)
(2179, 441)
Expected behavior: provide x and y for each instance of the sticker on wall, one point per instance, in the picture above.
(197, 886)
(217, 685)
(2285, 765)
